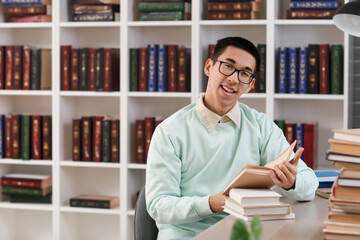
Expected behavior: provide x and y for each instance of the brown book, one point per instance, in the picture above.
(46, 137)
(115, 142)
(344, 147)
(148, 131)
(324, 67)
(92, 69)
(252, 176)
(115, 69)
(30, 9)
(8, 67)
(107, 69)
(140, 141)
(65, 67)
(2, 68)
(310, 14)
(313, 69)
(349, 173)
(8, 136)
(172, 67)
(26, 68)
(95, 201)
(76, 137)
(87, 8)
(30, 18)
(97, 127)
(344, 192)
(183, 69)
(289, 131)
(143, 68)
(235, 6)
(74, 69)
(228, 15)
(344, 217)
(17, 67)
(86, 138)
(45, 69)
(354, 166)
(15, 136)
(36, 137)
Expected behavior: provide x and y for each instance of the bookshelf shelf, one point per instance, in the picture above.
(26, 25)
(43, 93)
(159, 95)
(89, 24)
(159, 24)
(69, 163)
(89, 94)
(115, 211)
(32, 207)
(303, 22)
(232, 22)
(310, 97)
(27, 162)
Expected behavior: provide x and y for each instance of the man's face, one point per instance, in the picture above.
(223, 92)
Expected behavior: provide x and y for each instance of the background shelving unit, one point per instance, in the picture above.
(58, 220)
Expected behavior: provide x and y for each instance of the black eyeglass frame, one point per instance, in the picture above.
(252, 76)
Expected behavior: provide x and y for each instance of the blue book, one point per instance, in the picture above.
(283, 70)
(332, 4)
(2, 128)
(152, 67)
(293, 69)
(326, 178)
(303, 70)
(162, 68)
(299, 137)
(25, 1)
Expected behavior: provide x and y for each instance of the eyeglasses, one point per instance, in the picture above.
(227, 69)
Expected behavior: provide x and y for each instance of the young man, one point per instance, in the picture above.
(195, 153)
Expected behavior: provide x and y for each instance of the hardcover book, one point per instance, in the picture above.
(95, 201)
(15, 136)
(324, 67)
(76, 138)
(351, 135)
(65, 67)
(35, 75)
(152, 67)
(26, 180)
(313, 68)
(26, 68)
(134, 69)
(36, 137)
(6, 190)
(2, 64)
(74, 58)
(303, 72)
(97, 138)
(25, 137)
(283, 70)
(45, 69)
(140, 141)
(172, 67)
(46, 137)
(86, 139)
(106, 141)
(115, 142)
(336, 69)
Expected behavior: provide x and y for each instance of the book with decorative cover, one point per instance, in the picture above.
(95, 201)
(26, 180)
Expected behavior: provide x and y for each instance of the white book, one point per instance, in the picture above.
(26, 176)
(254, 197)
(232, 212)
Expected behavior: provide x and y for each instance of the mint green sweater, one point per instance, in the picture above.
(187, 164)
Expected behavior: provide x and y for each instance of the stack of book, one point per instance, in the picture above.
(27, 188)
(26, 11)
(96, 139)
(344, 202)
(26, 137)
(233, 9)
(326, 180)
(312, 9)
(95, 10)
(164, 10)
(95, 201)
(244, 203)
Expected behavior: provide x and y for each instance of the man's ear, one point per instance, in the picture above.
(251, 85)
(207, 67)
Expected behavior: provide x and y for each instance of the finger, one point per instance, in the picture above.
(291, 168)
(281, 176)
(275, 178)
(297, 156)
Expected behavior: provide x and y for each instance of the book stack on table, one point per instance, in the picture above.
(27, 188)
(344, 202)
(26, 11)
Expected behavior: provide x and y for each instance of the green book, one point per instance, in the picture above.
(25, 137)
(161, 16)
(336, 69)
(6, 190)
(134, 69)
(19, 198)
(281, 124)
(106, 141)
(161, 6)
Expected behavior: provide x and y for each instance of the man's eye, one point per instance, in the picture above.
(229, 66)
(244, 74)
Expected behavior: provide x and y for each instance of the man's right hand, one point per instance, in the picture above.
(216, 202)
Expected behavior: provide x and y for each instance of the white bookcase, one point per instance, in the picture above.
(58, 220)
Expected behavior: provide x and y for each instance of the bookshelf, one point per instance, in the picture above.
(124, 179)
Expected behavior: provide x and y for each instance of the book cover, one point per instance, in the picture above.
(350, 173)
(26, 180)
(2, 153)
(290, 131)
(46, 123)
(19, 198)
(326, 176)
(303, 72)
(26, 68)
(310, 144)
(260, 84)
(76, 140)
(97, 138)
(7, 136)
(313, 68)
(95, 201)
(231, 211)
(152, 67)
(340, 159)
(299, 136)
(293, 69)
(313, 4)
(351, 135)
(92, 65)
(25, 129)
(344, 147)
(251, 197)
(337, 61)
(107, 70)
(324, 67)
(143, 69)
(2, 68)
(86, 138)
(229, 6)
(87, 8)
(45, 69)
(8, 67)
(172, 67)
(74, 69)
(115, 141)
(162, 16)
(84, 69)
(149, 126)
(283, 69)
(184, 69)
(30, 18)
(140, 141)
(162, 73)
(134, 69)
(66, 56)
(106, 141)
(30, 9)
(16, 2)
(35, 75)
(162, 6)
(36, 140)
(309, 14)
(15, 136)
(17, 67)
(94, 17)
(6, 190)
(345, 192)
(228, 15)
(115, 69)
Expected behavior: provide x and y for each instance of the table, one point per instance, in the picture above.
(308, 223)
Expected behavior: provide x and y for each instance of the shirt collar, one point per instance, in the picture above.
(210, 118)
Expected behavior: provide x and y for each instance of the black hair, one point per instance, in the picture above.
(238, 42)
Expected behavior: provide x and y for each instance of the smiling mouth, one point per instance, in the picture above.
(227, 89)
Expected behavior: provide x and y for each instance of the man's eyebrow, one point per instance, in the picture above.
(233, 61)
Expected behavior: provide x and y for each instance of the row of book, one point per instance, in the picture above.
(96, 139)
(164, 10)
(306, 135)
(26, 11)
(25, 136)
(27, 188)
(160, 68)
(315, 69)
(144, 131)
(90, 69)
(312, 9)
(25, 68)
(229, 9)
(83, 11)
(344, 202)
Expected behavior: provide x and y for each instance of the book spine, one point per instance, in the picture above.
(152, 67)
(36, 137)
(303, 70)
(66, 53)
(19, 190)
(260, 84)
(23, 9)
(181, 84)
(228, 15)
(74, 58)
(86, 138)
(94, 17)
(134, 70)
(140, 141)
(97, 127)
(45, 69)
(310, 14)
(15, 132)
(86, 8)
(310, 144)
(107, 70)
(106, 141)
(99, 69)
(30, 18)
(2, 69)
(46, 137)
(25, 137)
(76, 137)
(172, 67)
(11, 182)
(148, 131)
(244, 6)
(324, 68)
(281, 124)
(26, 1)
(314, 4)
(92, 64)
(299, 136)
(336, 69)
(7, 136)
(162, 77)
(8, 67)
(143, 69)
(283, 70)
(35, 69)
(30, 199)
(115, 69)
(84, 69)
(293, 69)
(90, 203)
(161, 6)
(290, 132)
(2, 153)
(313, 68)
(17, 67)
(211, 49)
(26, 68)
(161, 16)
(115, 143)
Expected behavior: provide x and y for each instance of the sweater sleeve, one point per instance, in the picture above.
(164, 201)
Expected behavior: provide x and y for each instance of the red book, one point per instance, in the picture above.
(97, 126)
(148, 132)
(92, 69)
(8, 67)
(324, 68)
(86, 139)
(2, 50)
(290, 132)
(15, 136)
(115, 69)
(172, 67)
(36, 137)
(157, 122)
(26, 68)
(107, 69)
(76, 137)
(17, 67)
(8, 135)
(115, 143)
(310, 144)
(74, 69)
(143, 66)
(26, 180)
(30, 18)
(140, 141)
(211, 50)
(46, 137)
(65, 67)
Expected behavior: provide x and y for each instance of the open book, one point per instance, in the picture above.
(252, 176)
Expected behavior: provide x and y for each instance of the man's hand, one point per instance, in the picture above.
(216, 202)
(284, 174)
